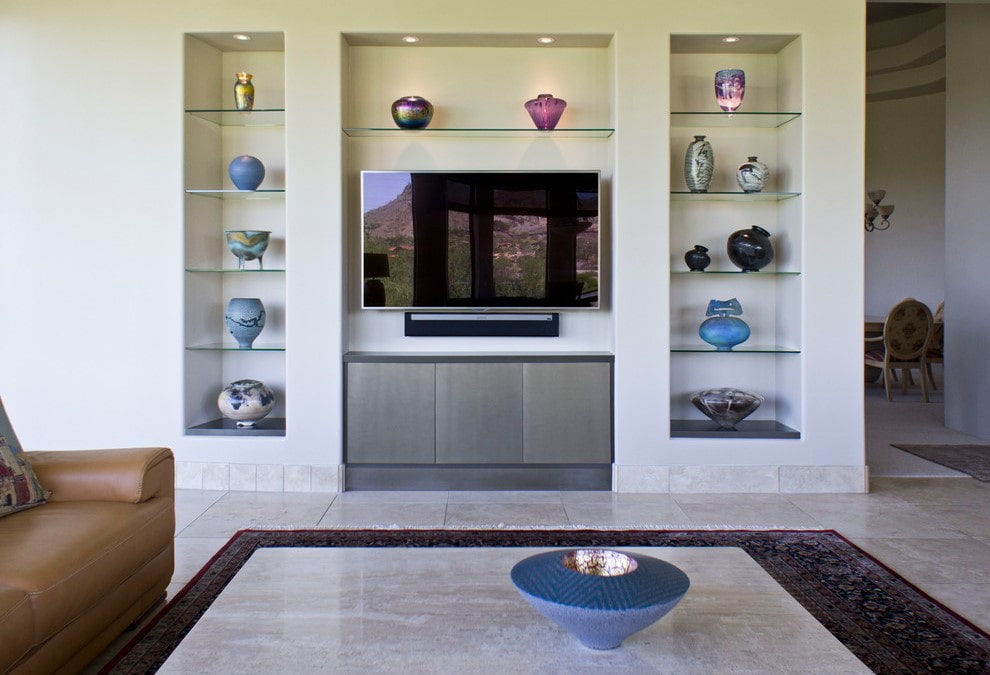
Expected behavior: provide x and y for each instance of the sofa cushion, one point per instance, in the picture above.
(19, 487)
(16, 634)
(88, 549)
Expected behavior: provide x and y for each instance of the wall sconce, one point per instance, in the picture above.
(875, 209)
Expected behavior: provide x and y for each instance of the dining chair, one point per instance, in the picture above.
(907, 335)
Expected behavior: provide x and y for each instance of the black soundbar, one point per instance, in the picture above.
(451, 324)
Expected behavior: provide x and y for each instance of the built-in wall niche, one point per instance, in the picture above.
(478, 81)
(478, 85)
(768, 125)
(215, 133)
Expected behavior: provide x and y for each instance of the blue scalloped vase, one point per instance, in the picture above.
(724, 332)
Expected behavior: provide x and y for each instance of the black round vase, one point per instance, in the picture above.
(697, 258)
(750, 250)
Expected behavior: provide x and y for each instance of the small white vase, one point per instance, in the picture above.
(752, 175)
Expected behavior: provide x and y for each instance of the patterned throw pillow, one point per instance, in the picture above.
(19, 487)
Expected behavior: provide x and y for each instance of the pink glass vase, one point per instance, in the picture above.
(730, 87)
(545, 110)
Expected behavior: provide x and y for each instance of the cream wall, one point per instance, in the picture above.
(91, 215)
(905, 154)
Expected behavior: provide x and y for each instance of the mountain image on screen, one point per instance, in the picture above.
(480, 240)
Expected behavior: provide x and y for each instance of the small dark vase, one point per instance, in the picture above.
(750, 250)
(697, 258)
(412, 112)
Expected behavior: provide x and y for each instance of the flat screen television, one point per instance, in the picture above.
(480, 239)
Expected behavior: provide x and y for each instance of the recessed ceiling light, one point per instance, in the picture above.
(241, 36)
(410, 39)
(546, 40)
(730, 39)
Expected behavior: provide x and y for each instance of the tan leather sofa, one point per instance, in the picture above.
(77, 571)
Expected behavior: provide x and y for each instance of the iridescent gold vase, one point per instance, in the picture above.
(243, 92)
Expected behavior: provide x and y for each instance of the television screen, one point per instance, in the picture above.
(478, 240)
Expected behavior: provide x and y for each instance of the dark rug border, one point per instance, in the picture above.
(890, 624)
(914, 449)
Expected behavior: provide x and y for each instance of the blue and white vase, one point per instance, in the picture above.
(721, 330)
(245, 317)
(246, 172)
(752, 175)
(699, 165)
(246, 401)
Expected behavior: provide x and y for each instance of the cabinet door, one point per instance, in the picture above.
(390, 412)
(479, 413)
(567, 413)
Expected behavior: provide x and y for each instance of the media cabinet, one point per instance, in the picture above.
(478, 421)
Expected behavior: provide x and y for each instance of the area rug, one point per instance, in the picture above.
(889, 624)
(971, 459)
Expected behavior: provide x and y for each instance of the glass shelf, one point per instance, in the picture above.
(224, 347)
(766, 120)
(240, 194)
(685, 196)
(234, 270)
(738, 349)
(268, 426)
(761, 273)
(266, 117)
(744, 429)
(386, 132)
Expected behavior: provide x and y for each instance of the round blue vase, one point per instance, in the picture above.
(724, 332)
(245, 317)
(246, 172)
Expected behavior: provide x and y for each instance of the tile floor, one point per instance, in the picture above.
(928, 523)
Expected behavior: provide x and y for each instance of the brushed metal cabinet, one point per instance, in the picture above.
(390, 412)
(567, 413)
(479, 413)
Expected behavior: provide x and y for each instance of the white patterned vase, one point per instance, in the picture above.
(699, 165)
(752, 175)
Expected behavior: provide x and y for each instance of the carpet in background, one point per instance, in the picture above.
(888, 623)
(971, 459)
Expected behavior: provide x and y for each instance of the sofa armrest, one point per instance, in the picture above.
(130, 475)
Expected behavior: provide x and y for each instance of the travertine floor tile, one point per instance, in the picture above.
(939, 561)
(241, 510)
(745, 510)
(190, 505)
(970, 601)
(506, 497)
(393, 514)
(192, 553)
(487, 515)
(875, 516)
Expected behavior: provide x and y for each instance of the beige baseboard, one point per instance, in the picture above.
(259, 477)
(626, 478)
(752, 479)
